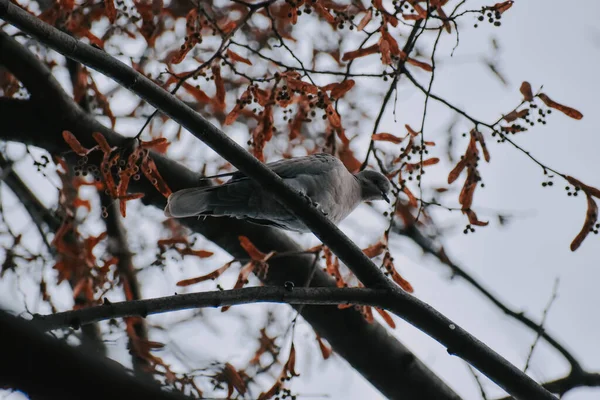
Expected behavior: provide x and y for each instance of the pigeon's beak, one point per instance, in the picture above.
(384, 197)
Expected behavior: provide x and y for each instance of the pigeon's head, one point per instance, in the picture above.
(374, 185)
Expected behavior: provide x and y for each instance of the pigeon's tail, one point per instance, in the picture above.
(216, 201)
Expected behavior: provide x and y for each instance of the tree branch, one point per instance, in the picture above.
(457, 340)
(369, 348)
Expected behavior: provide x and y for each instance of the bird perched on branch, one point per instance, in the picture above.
(322, 178)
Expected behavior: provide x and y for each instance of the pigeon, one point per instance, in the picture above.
(321, 178)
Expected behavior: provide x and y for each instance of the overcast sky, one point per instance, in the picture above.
(546, 42)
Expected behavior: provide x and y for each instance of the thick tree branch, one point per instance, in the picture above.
(457, 340)
(46, 368)
(219, 298)
(369, 348)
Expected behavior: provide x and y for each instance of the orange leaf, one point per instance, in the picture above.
(325, 351)
(220, 85)
(430, 161)
(365, 20)
(74, 144)
(236, 57)
(473, 220)
(412, 200)
(149, 169)
(351, 55)
(160, 145)
(526, 91)
(212, 276)
(191, 252)
(420, 64)
(252, 251)
(591, 217)
(386, 137)
(198, 93)
(347, 157)
(386, 317)
(101, 140)
(340, 89)
(411, 130)
(111, 12)
(375, 249)
(571, 112)
(460, 166)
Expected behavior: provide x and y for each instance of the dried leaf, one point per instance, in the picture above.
(586, 188)
(212, 276)
(386, 137)
(325, 351)
(340, 89)
(454, 174)
(149, 169)
(252, 251)
(420, 64)
(502, 7)
(101, 140)
(351, 55)
(386, 317)
(74, 144)
(375, 249)
(200, 96)
(571, 112)
(220, 86)
(591, 217)
(430, 161)
(237, 58)
(111, 12)
(473, 220)
(514, 115)
(365, 20)
(412, 200)
(526, 91)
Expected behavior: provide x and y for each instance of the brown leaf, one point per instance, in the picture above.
(473, 220)
(386, 137)
(501, 7)
(212, 276)
(571, 112)
(74, 144)
(430, 161)
(412, 200)
(365, 20)
(340, 89)
(514, 115)
(586, 188)
(347, 157)
(111, 12)
(591, 217)
(420, 64)
(220, 85)
(237, 58)
(351, 55)
(199, 95)
(375, 249)
(252, 251)
(411, 130)
(149, 169)
(386, 317)
(325, 351)
(454, 174)
(526, 91)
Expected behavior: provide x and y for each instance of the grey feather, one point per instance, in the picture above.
(321, 177)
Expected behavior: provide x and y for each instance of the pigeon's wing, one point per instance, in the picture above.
(315, 164)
